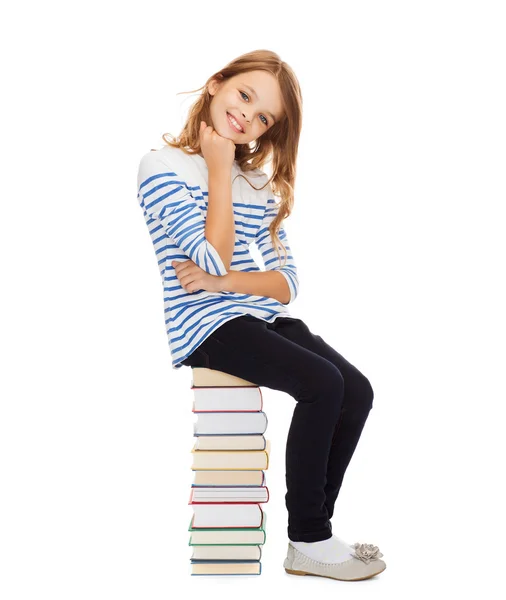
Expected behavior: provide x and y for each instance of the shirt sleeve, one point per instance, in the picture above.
(167, 200)
(264, 244)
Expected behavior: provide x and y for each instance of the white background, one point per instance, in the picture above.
(399, 240)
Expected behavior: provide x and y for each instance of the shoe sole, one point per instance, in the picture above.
(292, 572)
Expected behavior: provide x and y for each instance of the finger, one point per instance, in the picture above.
(178, 265)
(186, 281)
(181, 266)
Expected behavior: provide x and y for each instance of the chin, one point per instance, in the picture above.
(228, 135)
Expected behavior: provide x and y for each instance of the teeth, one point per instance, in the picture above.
(234, 122)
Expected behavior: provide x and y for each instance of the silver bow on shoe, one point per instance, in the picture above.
(367, 552)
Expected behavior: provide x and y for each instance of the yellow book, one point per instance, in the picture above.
(225, 460)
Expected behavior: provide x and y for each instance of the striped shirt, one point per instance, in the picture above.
(173, 195)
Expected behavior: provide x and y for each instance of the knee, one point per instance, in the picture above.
(329, 382)
(326, 385)
(370, 393)
(364, 395)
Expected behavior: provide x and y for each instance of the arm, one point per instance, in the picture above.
(278, 282)
(166, 199)
(258, 283)
(220, 226)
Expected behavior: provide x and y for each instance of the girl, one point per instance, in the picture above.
(205, 200)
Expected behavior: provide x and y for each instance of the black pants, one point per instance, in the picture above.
(333, 403)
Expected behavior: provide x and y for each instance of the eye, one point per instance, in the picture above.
(266, 119)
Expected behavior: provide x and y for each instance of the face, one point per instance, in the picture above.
(253, 99)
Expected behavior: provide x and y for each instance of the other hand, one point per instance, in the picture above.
(193, 279)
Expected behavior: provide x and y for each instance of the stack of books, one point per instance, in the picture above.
(230, 454)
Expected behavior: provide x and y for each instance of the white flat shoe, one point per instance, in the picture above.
(365, 562)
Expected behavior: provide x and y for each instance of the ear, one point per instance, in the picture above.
(214, 86)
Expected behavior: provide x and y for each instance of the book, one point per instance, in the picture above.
(232, 477)
(233, 423)
(230, 514)
(214, 567)
(229, 494)
(230, 442)
(223, 552)
(220, 399)
(231, 459)
(203, 377)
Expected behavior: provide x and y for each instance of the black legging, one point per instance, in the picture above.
(333, 403)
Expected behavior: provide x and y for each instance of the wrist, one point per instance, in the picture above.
(226, 282)
(220, 173)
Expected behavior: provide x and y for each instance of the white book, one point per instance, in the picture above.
(227, 515)
(230, 422)
(227, 399)
(229, 494)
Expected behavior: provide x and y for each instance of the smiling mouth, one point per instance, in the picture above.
(235, 127)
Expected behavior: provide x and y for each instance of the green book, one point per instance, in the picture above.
(228, 536)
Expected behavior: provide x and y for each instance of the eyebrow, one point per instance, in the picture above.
(253, 92)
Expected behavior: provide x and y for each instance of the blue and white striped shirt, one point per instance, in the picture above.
(173, 194)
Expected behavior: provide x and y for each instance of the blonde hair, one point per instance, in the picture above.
(279, 143)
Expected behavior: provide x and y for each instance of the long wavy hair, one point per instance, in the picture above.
(278, 144)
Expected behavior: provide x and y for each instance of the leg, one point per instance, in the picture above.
(356, 403)
(248, 348)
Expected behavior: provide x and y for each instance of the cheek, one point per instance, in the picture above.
(230, 100)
